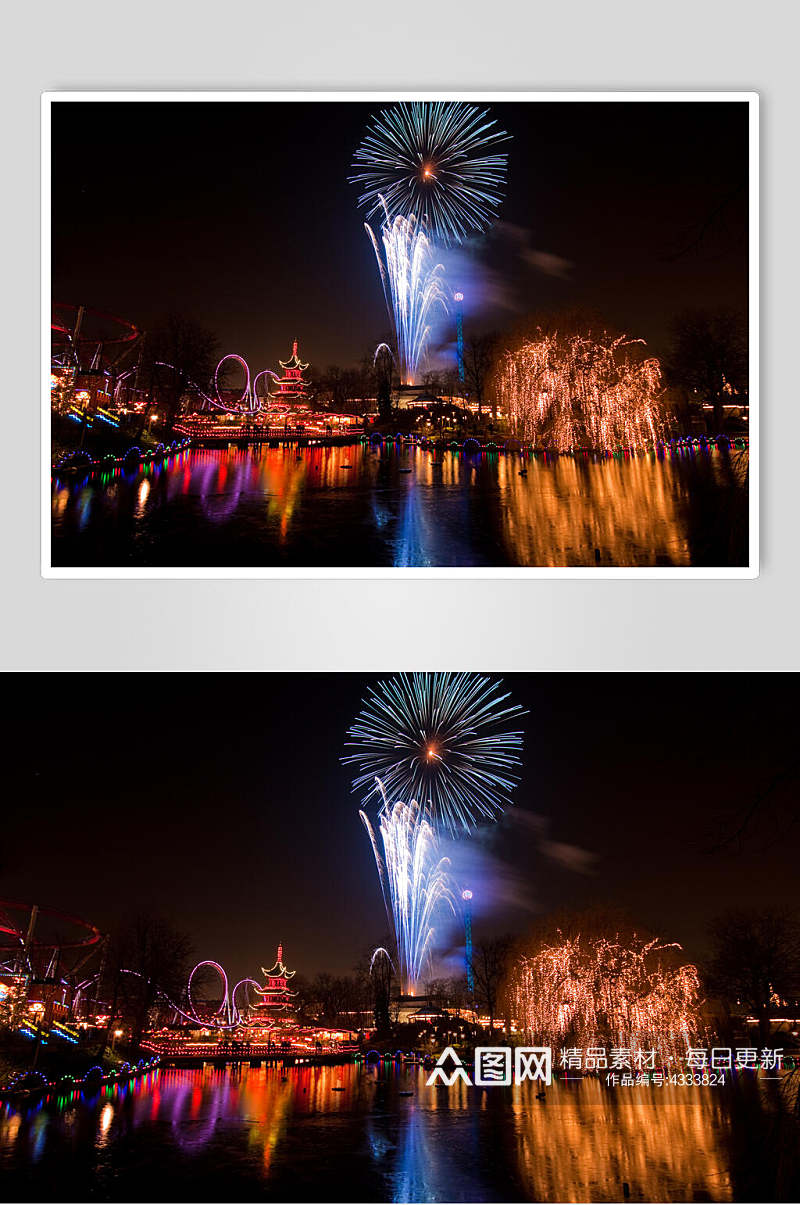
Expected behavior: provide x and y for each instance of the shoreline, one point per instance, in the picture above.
(76, 464)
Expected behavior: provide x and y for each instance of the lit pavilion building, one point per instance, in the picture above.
(276, 995)
(286, 411)
(291, 387)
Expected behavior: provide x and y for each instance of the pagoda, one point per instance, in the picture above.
(276, 996)
(291, 387)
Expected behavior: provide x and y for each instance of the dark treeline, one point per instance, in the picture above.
(753, 965)
(752, 970)
(704, 365)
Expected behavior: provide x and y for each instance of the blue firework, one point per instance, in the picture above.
(436, 161)
(444, 740)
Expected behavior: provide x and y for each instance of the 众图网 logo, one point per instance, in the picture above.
(495, 1066)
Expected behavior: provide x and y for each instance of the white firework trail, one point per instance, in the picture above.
(415, 882)
(412, 287)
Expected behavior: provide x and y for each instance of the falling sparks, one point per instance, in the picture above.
(587, 991)
(581, 391)
(443, 739)
(435, 161)
(415, 883)
(412, 286)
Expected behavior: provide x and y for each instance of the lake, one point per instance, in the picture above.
(406, 506)
(378, 1133)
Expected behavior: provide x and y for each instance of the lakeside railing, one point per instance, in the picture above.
(81, 462)
(27, 1084)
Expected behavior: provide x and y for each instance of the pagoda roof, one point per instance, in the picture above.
(279, 970)
(294, 361)
(284, 994)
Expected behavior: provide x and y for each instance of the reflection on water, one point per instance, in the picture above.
(372, 1134)
(377, 506)
(665, 1144)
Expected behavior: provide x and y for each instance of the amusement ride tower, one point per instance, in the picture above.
(466, 896)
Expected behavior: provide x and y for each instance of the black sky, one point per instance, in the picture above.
(241, 216)
(220, 801)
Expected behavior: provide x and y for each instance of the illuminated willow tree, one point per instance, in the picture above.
(565, 391)
(601, 991)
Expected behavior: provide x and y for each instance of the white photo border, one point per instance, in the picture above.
(751, 98)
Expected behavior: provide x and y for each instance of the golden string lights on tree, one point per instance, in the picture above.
(566, 391)
(595, 991)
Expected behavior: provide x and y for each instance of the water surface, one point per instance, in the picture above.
(386, 505)
(370, 1134)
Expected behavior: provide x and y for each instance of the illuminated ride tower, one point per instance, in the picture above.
(291, 387)
(458, 298)
(467, 898)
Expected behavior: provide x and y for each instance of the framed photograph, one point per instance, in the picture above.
(484, 945)
(380, 335)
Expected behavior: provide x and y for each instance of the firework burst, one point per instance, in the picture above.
(435, 161)
(443, 739)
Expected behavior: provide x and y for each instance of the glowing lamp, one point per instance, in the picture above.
(466, 894)
(458, 297)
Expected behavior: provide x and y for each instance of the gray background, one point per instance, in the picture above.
(371, 625)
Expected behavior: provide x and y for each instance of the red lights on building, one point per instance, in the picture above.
(276, 996)
(291, 385)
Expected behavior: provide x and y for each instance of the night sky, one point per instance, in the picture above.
(220, 802)
(240, 216)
